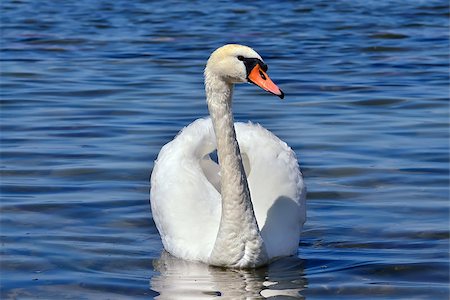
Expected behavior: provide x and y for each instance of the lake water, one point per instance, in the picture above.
(91, 90)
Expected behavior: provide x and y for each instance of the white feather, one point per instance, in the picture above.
(186, 206)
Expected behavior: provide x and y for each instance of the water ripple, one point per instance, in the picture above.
(90, 91)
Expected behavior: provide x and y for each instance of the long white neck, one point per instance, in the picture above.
(239, 242)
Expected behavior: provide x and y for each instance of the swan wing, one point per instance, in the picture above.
(185, 185)
(276, 187)
(185, 202)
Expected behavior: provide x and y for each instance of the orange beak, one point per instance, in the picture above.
(260, 78)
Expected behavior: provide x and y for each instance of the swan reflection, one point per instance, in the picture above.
(180, 279)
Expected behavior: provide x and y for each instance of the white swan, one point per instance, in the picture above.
(249, 209)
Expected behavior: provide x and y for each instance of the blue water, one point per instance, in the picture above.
(91, 90)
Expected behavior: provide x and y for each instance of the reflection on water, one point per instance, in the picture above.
(180, 279)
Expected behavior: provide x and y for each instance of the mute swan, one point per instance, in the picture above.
(249, 209)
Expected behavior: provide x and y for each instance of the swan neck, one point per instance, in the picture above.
(239, 242)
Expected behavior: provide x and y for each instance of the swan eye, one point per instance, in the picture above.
(240, 57)
(264, 66)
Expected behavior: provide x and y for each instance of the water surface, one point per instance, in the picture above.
(91, 91)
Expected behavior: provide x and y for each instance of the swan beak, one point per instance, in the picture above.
(260, 78)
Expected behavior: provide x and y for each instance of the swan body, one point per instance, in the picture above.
(245, 211)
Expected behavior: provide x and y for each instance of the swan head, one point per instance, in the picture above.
(234, 63)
